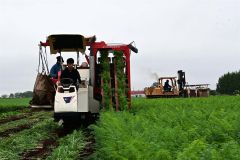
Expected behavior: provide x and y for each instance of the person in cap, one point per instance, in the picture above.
(71, 72)
(56, 67)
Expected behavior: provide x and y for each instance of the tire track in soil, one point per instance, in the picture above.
(13, 118)
(24, 114)
(46, 146)
(43, 149)
(90, 141)
(17, 129)
(89, 146)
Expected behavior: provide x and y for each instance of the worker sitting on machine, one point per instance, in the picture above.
(167, 87)
(71, 73)
(55, 69)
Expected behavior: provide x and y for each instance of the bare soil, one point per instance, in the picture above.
(10, 131)
(45, 147)
(89, 148)
(24, 114)
(13, 118)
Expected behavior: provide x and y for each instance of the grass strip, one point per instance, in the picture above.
(69, 147)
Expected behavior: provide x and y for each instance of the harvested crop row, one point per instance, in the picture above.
(69, 146)
(13, 146)
(21, 120)
(19, 114)
(88, 148)
(46, 146)
(63, 143)
(5, 115)
(15, 130)
(43, 149)
(13, 118)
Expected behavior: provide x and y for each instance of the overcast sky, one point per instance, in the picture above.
(200, 37)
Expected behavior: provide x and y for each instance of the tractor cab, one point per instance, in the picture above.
(169, 85)
(165, 87)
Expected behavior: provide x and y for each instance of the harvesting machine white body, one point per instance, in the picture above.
(72, 102)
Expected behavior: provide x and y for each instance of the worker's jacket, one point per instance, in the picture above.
(73, 74)
(54, 70)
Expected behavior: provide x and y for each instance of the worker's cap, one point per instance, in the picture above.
(60, 59)
(70, 61)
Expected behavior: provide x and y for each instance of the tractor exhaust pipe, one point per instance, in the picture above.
(133, 48)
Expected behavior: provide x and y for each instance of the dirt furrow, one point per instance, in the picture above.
(17, 129)
(46, 146)
(89, 145)
(24, 114)
(43, 149)
(13, 118)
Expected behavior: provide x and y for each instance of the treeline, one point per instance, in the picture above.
(27, 94)
(229, 83)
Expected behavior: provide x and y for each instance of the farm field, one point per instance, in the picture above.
(31, 134)
(13, 106)
(194, 128)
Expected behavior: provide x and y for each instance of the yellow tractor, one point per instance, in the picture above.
(171, 87)
(167, 87)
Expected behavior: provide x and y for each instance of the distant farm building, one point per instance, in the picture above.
(138, 93)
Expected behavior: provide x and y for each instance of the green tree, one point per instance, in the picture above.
(18, 95)
(229, 83)
(4, 96)
(27, 94)
(11, 95)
